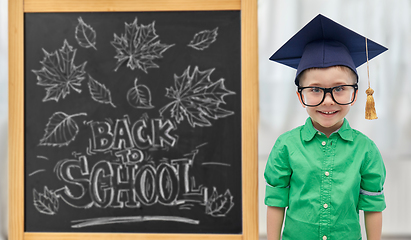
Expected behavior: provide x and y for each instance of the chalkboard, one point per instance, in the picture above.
(133, 119)
(133, 122)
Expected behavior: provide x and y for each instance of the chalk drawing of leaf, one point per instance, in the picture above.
(203, 39)
(138, 46)
(219, 205)
(60, 130)
(85, 35)
(59, 74)
(197, 98)
(139, 96)
(47, 202)
(99, 92)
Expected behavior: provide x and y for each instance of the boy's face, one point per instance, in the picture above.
(328, 116)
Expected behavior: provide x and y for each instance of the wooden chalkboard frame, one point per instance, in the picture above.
(249, 72)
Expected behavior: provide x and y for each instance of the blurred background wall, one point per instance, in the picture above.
(386, 22)
(3, 117)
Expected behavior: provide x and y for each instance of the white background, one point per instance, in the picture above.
(386, 22)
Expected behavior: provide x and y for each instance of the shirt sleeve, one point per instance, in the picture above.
(372, 181)
(277, 176)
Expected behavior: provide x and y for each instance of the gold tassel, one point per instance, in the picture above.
(370, 112)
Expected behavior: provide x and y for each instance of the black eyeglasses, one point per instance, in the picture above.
(314, 96)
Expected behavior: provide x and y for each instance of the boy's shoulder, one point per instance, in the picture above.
(298, 131)
(361, 138)
(291, 135)
(357, 136)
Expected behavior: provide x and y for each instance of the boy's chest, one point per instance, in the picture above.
(323, 158)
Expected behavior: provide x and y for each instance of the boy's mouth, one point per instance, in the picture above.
(328, 113)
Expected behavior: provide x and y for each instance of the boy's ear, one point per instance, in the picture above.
(299, 98)
(356, 96)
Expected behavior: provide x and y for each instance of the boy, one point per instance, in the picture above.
(324, 172)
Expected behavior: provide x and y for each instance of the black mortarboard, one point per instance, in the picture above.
(324, 43)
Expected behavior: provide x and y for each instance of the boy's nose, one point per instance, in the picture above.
(328, 99)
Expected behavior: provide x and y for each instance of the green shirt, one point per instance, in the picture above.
(324, 182)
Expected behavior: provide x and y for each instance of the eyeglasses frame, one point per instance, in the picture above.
(327, 90)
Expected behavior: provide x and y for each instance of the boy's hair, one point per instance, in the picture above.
(341, 67)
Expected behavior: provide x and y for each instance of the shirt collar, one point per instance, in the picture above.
(308, 131)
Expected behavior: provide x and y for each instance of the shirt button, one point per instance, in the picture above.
(327, 174)
(325, 238)
(319, 133)
(325, 205)
(323, 143)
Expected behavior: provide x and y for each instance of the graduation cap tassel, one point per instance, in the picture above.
(370, 112)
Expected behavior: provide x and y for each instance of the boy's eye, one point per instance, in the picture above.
(316, 90)
(339, 89)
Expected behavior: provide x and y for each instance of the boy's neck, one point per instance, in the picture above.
(327, 131)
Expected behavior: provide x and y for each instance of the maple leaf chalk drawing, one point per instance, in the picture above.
(47, 202)
(59, 74)
(219, 205)
(139, 96)
(60, 130)
(85, 35)
(138, 46)
(99, 92)
(203, 39)
(197, 98)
